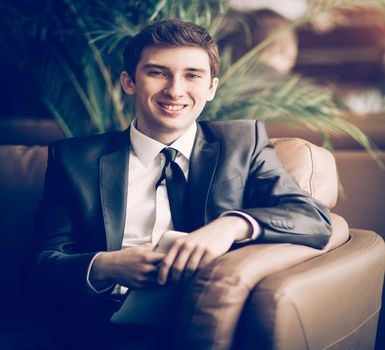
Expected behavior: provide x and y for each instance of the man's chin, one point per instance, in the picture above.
(177, 121)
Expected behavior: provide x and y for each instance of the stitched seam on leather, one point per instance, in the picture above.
(281, 296)
(218, 328)
(354, 330)
(326, 267)
(234, 281)
(299, 321)
(201, 300)
(331, 265)
(362, 251)
(313, 166)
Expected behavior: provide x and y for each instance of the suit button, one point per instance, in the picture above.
(278, 223)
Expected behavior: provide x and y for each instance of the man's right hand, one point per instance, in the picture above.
(135, 268)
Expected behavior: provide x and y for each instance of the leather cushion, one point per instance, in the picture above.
(21, 186)
(313, 167)
(340, 290)
(213, 303)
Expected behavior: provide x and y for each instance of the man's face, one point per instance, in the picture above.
(171, 88)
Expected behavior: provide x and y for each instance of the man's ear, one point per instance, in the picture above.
(213, 89)
(127, 83)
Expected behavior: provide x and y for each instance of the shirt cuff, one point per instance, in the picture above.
(256, 228)
(90, 286)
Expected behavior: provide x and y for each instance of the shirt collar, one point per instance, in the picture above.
(146, 148)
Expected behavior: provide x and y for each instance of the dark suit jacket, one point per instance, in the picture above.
(233, 166)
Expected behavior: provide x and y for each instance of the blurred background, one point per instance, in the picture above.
(313, 69)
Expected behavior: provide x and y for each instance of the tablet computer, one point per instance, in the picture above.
(153, 306)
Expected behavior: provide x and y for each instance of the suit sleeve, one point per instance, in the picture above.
(273, 198)
(61, 264)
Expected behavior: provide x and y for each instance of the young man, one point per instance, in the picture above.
(109, 198)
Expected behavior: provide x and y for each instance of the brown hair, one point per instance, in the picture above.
(170, 33)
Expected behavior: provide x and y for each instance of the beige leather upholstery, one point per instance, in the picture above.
(330, 302)
(214, 303)
(250, 299)
(362, 179)
(21, 184)
(313, 167)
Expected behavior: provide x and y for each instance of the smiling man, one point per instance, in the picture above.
(109, 198)
(171, 87)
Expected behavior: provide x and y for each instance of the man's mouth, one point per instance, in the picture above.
(171, 107)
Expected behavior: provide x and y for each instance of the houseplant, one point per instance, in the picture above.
(78, 43)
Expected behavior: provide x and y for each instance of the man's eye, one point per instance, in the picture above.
(193, 76)
(156, 73)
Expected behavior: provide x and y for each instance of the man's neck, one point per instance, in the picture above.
(165, 137)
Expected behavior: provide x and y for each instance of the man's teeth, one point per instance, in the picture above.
(172, 107)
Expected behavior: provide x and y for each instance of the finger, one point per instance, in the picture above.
(167, 263)
(149, 268)
(193, 263)
(143, 283)
(179, 264)
(148, 246)
(206, 259)
(146, 276)
(151, 276)
(154, 257)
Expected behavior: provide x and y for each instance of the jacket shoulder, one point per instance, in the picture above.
(235, 131)
(89, 146)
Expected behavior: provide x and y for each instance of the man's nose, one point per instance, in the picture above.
(175, 88)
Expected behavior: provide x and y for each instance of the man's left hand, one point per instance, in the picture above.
(199, 248)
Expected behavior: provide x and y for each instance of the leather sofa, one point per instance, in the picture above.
(267, 296)
(363, 179)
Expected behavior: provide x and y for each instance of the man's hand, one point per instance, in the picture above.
(199, 248)
(135, 267)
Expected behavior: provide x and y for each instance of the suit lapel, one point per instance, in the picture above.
(113, 191)
(203, 162)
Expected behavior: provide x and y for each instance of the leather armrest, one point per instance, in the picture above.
(213, 303)
(330, 301)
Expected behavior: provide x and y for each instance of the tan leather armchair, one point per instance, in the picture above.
(266, 296)
(284, 296)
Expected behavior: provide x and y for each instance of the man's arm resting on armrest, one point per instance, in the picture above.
(200, 247)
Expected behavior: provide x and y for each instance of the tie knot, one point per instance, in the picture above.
(170, 154)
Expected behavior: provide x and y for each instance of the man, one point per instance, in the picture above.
(109, 198)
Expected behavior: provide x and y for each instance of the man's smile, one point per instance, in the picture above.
(171, 107)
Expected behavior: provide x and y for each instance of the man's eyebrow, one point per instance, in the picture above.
(198, 70)
(188, 69)
(152, 66)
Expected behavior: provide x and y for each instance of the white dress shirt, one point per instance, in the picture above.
(148, 213)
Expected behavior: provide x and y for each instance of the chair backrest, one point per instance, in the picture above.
(21, 186)
(313, 167)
